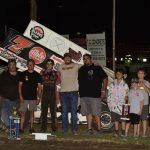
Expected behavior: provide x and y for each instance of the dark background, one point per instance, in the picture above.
(94, 16)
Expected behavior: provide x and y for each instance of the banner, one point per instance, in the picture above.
(54, 41)
(23, 48)
(96, 44)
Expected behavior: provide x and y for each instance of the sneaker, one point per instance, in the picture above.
(144, 136)
(99, 131)
(90, 132)
(74, 132)
(31, 130)
(116, 133)
(21, 131)
(122, 133)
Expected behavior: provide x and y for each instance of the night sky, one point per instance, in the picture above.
(94, 16)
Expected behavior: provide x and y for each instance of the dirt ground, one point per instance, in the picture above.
(73, 142)
(52, 144)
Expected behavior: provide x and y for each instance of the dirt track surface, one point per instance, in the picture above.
(57, 144)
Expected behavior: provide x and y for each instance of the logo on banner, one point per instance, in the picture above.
(75, 55)
(37, 33)
(37, 54)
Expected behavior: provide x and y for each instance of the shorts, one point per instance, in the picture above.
(115, 117)
(90, 106)
(28, 104)
(144, 115)
(134, 118)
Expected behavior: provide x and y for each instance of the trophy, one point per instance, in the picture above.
(125, 112)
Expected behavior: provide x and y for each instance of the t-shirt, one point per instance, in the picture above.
(135, 97)
(90, 81)
(69, 77)
(116, 95)
(9, 85)
(145, 94)
(30, 83)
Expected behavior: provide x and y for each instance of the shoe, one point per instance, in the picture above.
(31, 130)
(99, 132)
(122, 133)
(90, 132)
(116, 133)
(74, 132)
(144, 136)
(43, 130)
(21, 131)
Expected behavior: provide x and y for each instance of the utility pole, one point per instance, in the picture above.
(114, 30)
(33, 10)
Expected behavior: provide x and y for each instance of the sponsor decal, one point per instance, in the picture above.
(36, 33)
(18, 43)
(37, 54)
(75, 55)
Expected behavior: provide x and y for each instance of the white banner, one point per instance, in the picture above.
(96, 44)
(54, 41)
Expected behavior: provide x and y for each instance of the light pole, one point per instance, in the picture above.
(114, 30)
(33, 10)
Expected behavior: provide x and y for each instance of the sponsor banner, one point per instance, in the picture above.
(54, 41)
(24, 48)
(96, 44)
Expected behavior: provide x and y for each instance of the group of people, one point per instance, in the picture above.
(25, 90)
(137, 96)
(87, 82)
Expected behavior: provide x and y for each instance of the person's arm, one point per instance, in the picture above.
(20, 92)
(146, 88)
(58, 77)
(104, 87)
(39, 93)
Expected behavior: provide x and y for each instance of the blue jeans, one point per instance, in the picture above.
(7, 107)
(69, 102)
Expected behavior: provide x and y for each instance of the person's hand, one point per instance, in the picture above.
(38, 101)
(103, 94)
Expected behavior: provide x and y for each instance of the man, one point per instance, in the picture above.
(68, 74)
(92, 87)
(49, 80)
(9, 91)
(29, 93)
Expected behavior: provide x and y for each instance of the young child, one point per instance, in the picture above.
(117, 93)
(144, 86)
(136, 101)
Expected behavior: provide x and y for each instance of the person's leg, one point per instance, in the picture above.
(73, 103)
(53, 110)
(31, 119)
(32, 108)
(135, 130)
(127, 128)
(89, 121)
(65, 109)
(22, 120)
(44, 111)
(123, 123)
(144, 123)
(98, 122)
(138, 130)
(6, 112)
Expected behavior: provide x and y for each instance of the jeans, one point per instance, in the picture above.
(7, 107)
(69, 101)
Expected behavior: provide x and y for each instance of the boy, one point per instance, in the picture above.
(117, 93)
(136, 101)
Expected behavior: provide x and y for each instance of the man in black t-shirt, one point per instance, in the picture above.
(9, 91)
(92, 87)
(29, 93)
